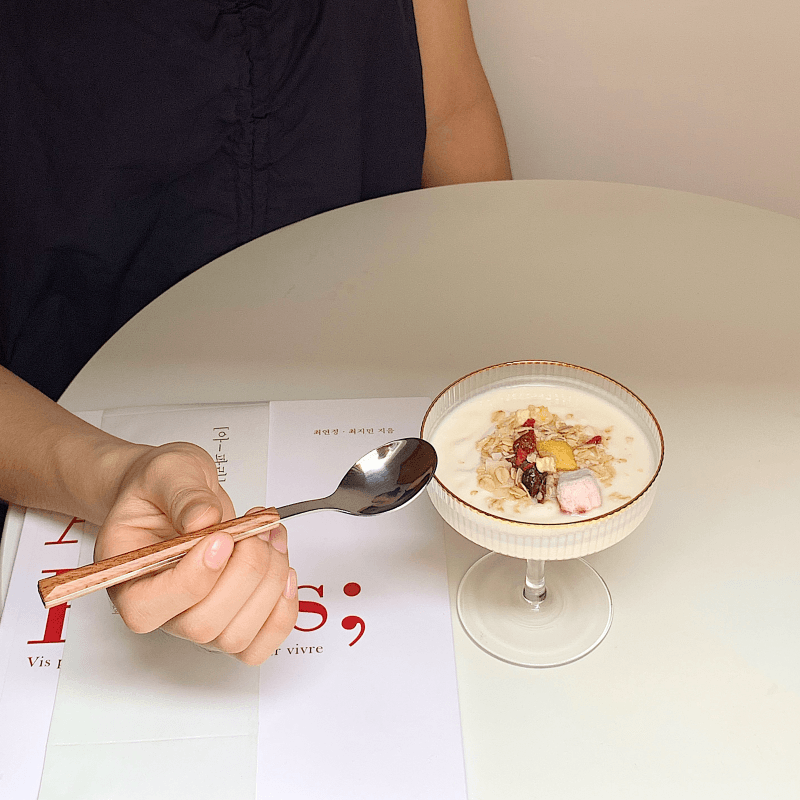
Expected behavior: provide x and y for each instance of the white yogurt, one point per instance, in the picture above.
(457, 433)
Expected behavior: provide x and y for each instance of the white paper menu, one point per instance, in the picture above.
(31, 647)
(153, 716)
(135, 715)
(361, 702)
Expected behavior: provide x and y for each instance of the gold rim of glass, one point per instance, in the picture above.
(555, 525)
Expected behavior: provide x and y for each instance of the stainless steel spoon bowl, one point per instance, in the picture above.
(383, 480)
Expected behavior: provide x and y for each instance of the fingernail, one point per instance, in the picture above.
(192, 514)
(290, 592)
(278, 539)
(217, 553)
(267, 535)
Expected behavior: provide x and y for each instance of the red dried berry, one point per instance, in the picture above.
(526, 442)
(529, 423)
(594, 440)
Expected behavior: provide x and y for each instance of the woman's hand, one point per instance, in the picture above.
(239, 600)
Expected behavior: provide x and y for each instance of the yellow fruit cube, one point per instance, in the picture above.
(560, 451)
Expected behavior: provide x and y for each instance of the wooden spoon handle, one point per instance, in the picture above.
(74, 583)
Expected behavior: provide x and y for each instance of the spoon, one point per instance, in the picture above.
(382, 480)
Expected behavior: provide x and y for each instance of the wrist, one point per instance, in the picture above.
(93, 465)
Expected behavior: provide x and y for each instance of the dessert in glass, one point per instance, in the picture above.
(542, 463)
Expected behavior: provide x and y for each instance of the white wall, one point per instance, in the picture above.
(698, 95)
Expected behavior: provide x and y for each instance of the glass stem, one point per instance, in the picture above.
(535, 590)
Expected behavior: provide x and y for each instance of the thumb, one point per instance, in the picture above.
(194, 509)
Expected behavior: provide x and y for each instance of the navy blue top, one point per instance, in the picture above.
(141, 140)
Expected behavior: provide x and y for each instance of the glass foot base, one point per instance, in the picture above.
(570, 622)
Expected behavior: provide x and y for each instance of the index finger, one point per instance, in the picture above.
(148, 602)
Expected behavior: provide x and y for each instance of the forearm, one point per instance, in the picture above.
(52, 459)
(466, 146)
(465, 140)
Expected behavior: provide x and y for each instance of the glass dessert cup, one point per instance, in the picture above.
(534, 601)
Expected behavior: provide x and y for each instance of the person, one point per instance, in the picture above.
(138, 143)
(141, 142)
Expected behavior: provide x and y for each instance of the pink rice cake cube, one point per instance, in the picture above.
(578, 491)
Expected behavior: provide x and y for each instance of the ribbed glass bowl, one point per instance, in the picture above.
(543, 541)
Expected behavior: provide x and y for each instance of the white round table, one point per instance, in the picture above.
(690, 301)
